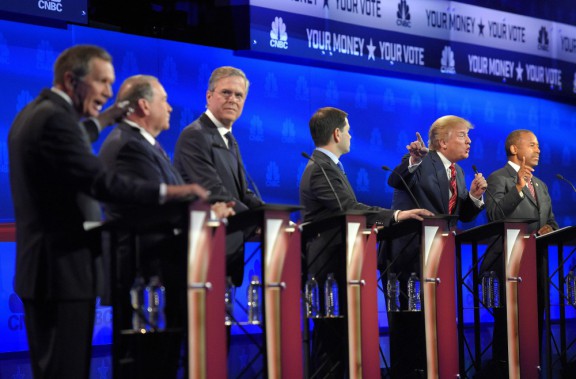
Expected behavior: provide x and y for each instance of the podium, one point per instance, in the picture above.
(355, 259)
(437, 265)
(281, 270)
(518, 263)
(143, 353)
(546, 244)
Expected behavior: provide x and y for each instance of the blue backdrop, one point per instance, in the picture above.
(384, 113)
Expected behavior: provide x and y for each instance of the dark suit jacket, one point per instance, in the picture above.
(507, 204)
(429, 183)
(201, 156)
(325, 249)
(128, 153)
(52, 170)
(319, 201)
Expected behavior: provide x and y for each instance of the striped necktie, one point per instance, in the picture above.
(453, 189)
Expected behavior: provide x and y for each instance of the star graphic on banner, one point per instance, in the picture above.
(371, 49)
(481, 28)
(326, 4)
(519, 72)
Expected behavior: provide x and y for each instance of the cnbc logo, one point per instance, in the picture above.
(50, 5)
(278, 35)
(403, 14)
(543, 42)
(447, 62)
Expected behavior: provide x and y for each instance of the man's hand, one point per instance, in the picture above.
(478, 186)
(114, 113)
(524, 175)
(545, 230)
(417, 149)
(223, 210)
(416, 214)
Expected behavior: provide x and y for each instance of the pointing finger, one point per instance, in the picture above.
(419, 137)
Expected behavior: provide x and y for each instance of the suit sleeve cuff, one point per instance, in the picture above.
(163, 192)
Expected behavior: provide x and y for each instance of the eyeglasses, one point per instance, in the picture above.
(227, 94)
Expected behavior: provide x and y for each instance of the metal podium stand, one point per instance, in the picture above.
(557, 240)
(281, 271)
(519, 260)
(358, 254)
(437, 263)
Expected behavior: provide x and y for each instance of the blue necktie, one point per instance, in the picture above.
(158, 147)
(341, 167)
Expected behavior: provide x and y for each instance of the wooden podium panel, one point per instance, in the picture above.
(206, 287)
(438, 287)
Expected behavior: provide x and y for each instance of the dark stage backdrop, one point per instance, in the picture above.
(384, 112)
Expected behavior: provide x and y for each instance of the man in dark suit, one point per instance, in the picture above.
(53, 177)
(207, 153)
(438, 185)
(321, 198)
(517, 193)
(132, 150)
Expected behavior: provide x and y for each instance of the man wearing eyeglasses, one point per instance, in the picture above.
(207, 154)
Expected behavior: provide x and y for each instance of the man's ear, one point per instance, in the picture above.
(513, 149)
(336, 135)
(443, 144)
(143, 106)
(70, 82)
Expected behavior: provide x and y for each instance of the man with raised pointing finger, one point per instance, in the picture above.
(517, 194)
(437, 183)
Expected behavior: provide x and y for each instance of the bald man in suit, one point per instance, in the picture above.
(517, 194)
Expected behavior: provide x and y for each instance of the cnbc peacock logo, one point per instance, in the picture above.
(278, 35)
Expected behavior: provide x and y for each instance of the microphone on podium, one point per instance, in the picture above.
(327, 180)
(490, 194)
(566, 180)
(386, 168)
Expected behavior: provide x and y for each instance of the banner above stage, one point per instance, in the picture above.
(437, 38)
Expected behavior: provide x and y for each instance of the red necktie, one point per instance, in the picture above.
(531, 189)
(453, 189)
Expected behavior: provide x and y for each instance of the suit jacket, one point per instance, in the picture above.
(319, 201)
(508, 204)
(52, 171)
(201, 156)
(325, 250)
(429, 183)
(128, 153)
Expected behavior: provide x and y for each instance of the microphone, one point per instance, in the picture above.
(386, 168)
(491, 196)
(566, 180)
(328, 180)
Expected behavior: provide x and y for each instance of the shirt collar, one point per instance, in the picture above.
(514, 166)
(142, 131)
(221, 128)
(330, 154)
(444, 160)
